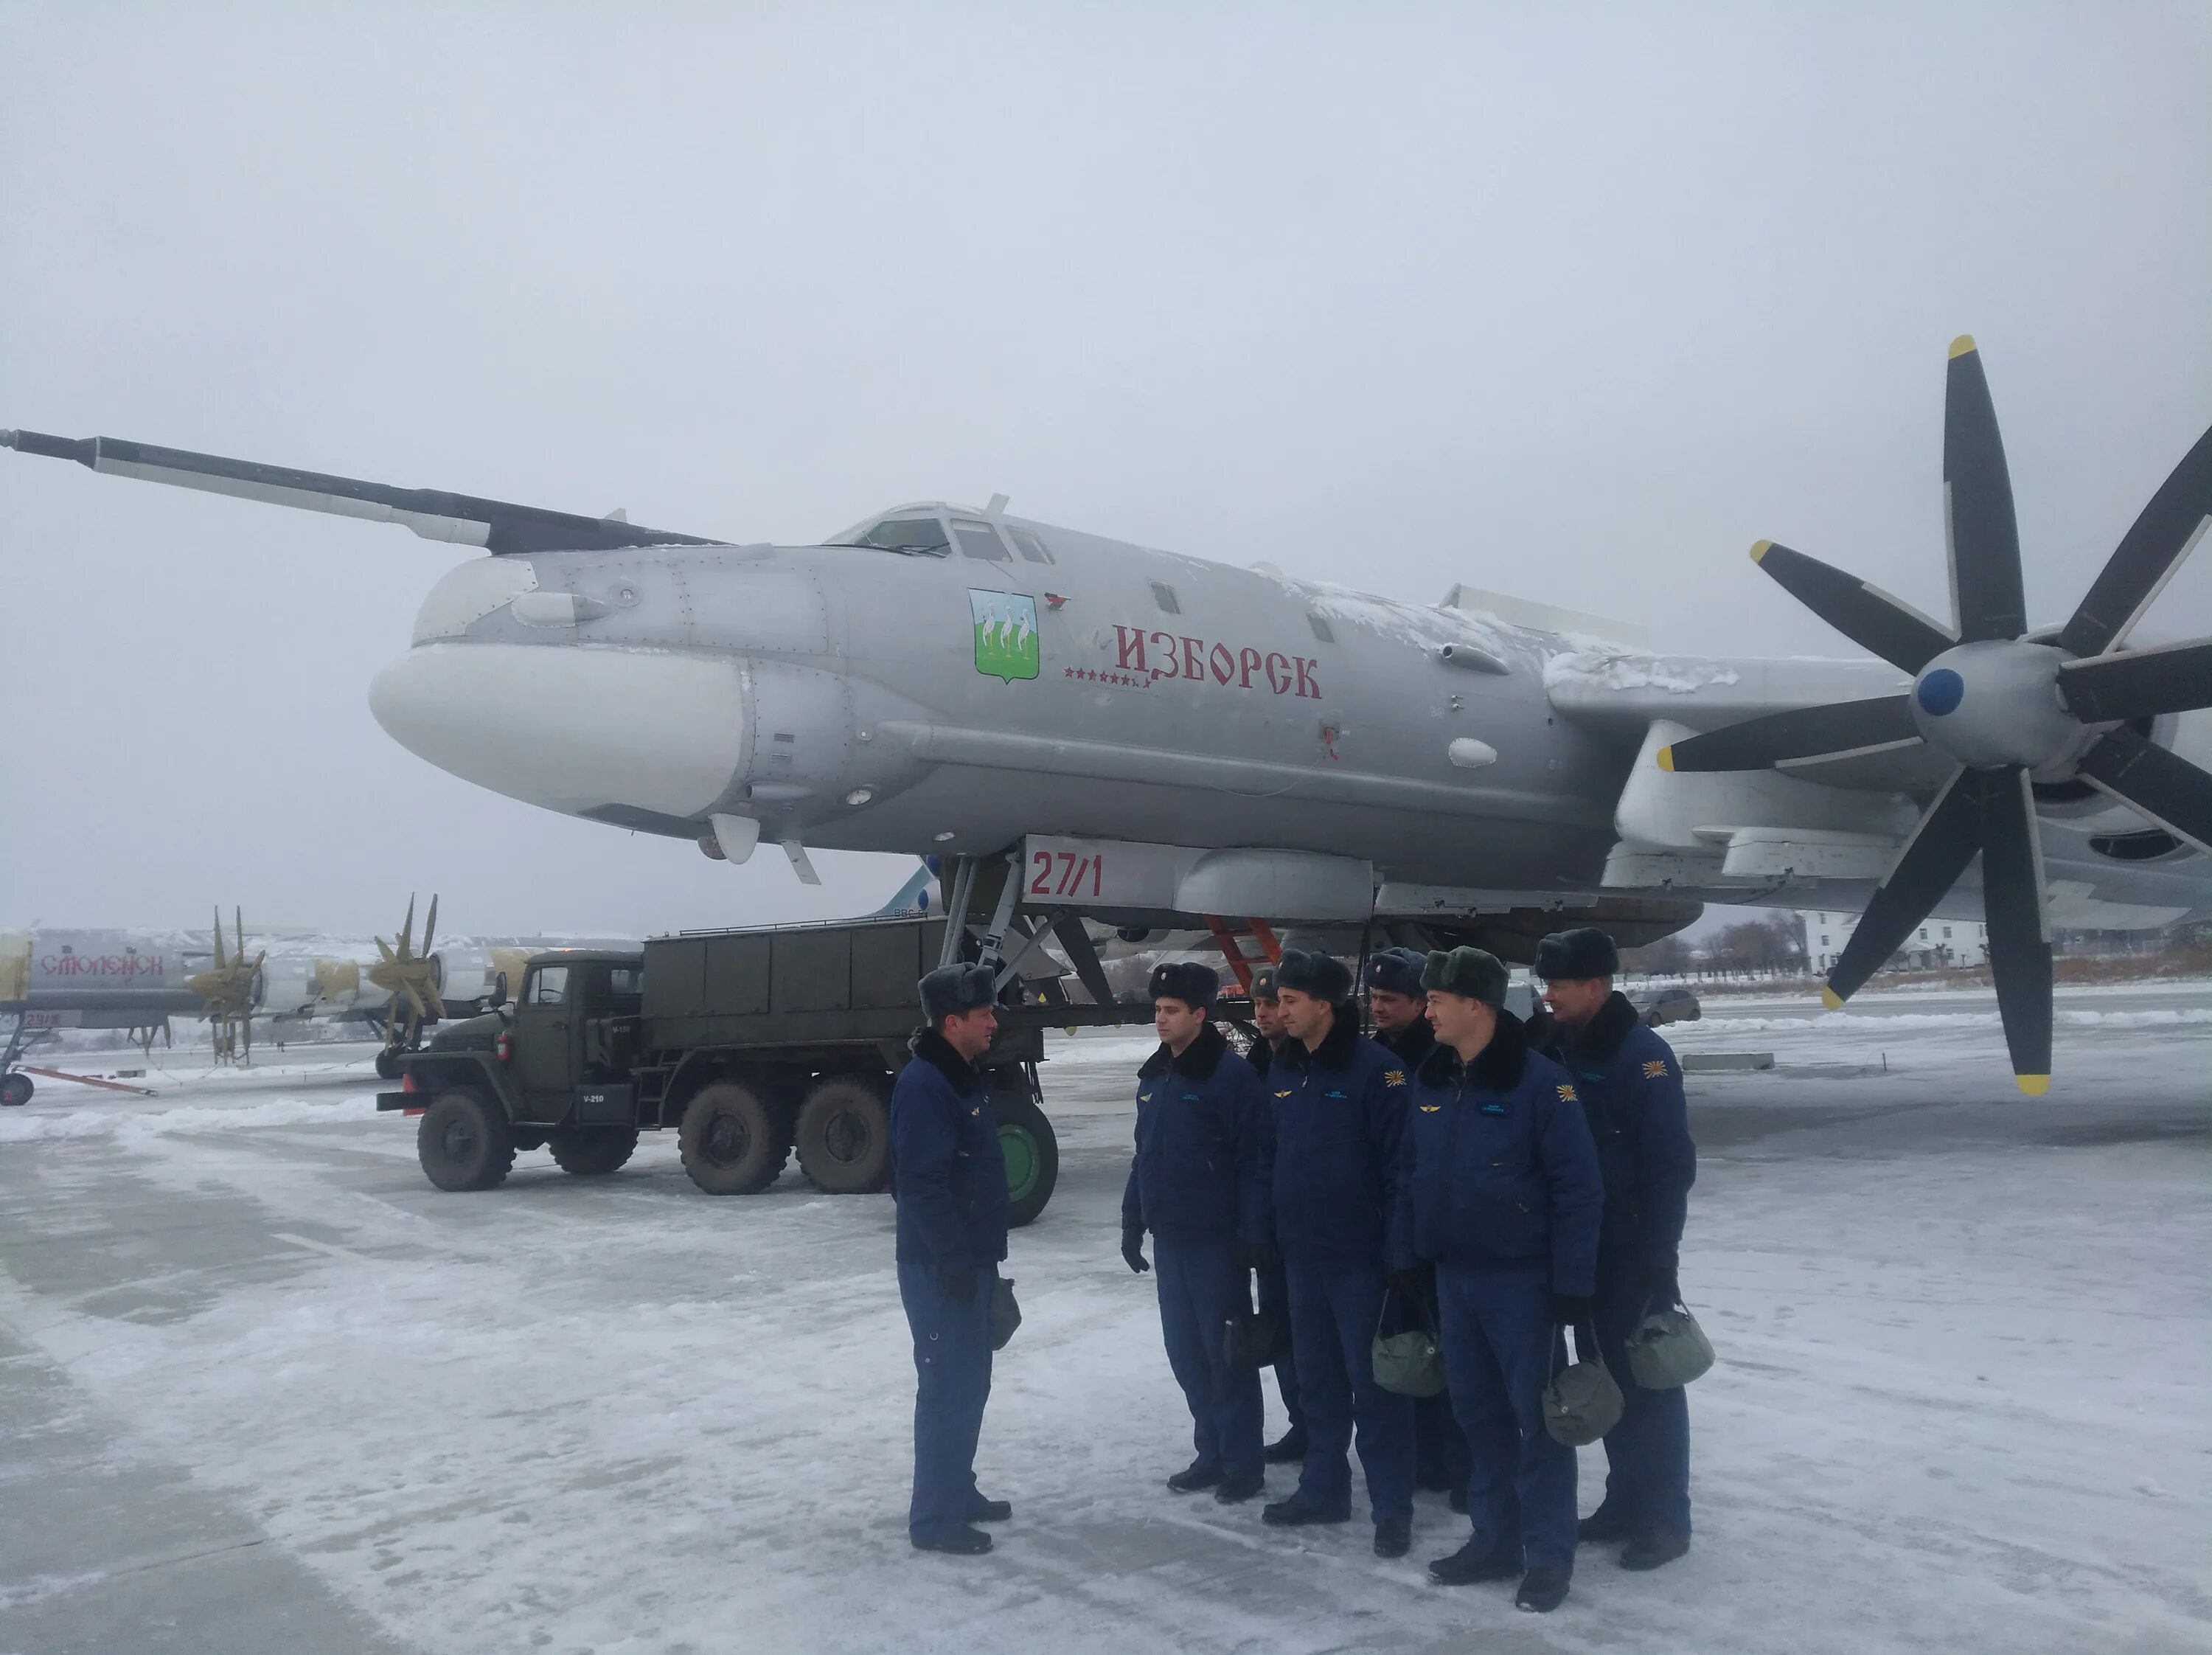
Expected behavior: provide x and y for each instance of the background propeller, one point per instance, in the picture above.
(227, 986)
(2010, 707)
(411, 977)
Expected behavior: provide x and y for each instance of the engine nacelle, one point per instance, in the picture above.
(288, 986)
(471, 980)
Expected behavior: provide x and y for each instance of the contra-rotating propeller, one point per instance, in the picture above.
(2012, 708)
(228, 987)
(405, 973)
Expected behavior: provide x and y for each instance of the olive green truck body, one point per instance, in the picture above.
(748, 1043)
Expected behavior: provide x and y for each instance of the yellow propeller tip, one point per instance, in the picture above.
(1831, 998)
(1759, 548)
(1667, 759)
(1963, 345)
(2033, 1085)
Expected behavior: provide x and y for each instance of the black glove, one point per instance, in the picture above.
(960, 1287)
(1133, 1247)
(1665, 1288)
(1571, 1310)
(1262, 1255)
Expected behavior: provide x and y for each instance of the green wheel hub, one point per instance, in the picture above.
(1019, 1145)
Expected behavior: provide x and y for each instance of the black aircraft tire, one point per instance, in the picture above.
(463, 1141)
(733, 1142)
(593, 1152)
(388, 1065)
(15, 1091)
(844, 1134)
(1032, 1153)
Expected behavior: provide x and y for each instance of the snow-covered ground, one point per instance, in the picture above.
(261, 1386)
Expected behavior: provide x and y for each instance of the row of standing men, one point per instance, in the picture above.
(1507, 1180)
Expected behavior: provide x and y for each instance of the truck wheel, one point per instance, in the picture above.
(1032, 1153)
(463, 1141)
(732, 1141)
(593, 1152)
(845, 1134)
(15, 1091)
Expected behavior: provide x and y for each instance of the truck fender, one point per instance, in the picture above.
(435, 1070)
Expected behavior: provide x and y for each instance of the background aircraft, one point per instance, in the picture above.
(1159, 739)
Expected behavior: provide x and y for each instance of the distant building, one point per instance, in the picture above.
(1931, 946)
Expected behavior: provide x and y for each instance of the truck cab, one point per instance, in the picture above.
(575, 1029)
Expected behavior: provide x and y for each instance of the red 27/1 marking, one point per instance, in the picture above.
(1072, 872)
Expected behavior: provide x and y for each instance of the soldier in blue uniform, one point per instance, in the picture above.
(1632, 1089)
(1500, 1190)
(1199, 1183)
(1339, 1104)
(1274, 1288)
(951, 1180)
(1399, 1008)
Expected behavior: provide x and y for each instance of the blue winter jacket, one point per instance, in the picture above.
(948, 1169)
(1498, 1166)
(1339, 1114)
(1205, 1151)
(1631, 1090)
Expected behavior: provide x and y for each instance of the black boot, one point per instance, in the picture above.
(958, 1539)
(1607, 1523)
(1542, 1591)
(1289, 1449)
(1297, 1512)
(990, 1511)
(1468, 1565)
(1235, 1490)
(1194, 1476)
(1654, 1548)
(1394, 1536)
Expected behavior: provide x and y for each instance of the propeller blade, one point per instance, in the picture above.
(2146, 557)
(219, 961)
(2020, 944)
(437, 1003)
(1982, 532)
(2176, 677)
(414, 998)
(1839, 728)
(238, 918)
(407, 929)
(1868, 616)
(429, 922)
(1924, 873)
(2172, 792)
(385, 949)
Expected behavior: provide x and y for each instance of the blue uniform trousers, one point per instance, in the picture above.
(1200, 1282)
(1500, 1351)
(1647, 1455)
(952, 1375)
(1333, 1310)
(1275, 1301)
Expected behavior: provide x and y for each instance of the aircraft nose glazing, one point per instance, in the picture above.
(619, 735)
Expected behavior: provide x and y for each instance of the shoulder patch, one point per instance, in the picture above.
(1567, 1094)
(1655, 1069)
(1394, 1077)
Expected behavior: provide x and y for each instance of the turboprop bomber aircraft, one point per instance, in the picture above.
(1158, 737)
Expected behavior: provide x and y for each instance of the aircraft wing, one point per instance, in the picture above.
(1627, 691)
(497, 526)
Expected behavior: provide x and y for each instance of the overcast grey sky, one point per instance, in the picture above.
(1573, 303)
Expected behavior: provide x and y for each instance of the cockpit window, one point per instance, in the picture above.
(915, 536)
(980, 541)
(1031, 546)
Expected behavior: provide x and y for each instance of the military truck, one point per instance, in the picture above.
(748, 1045)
